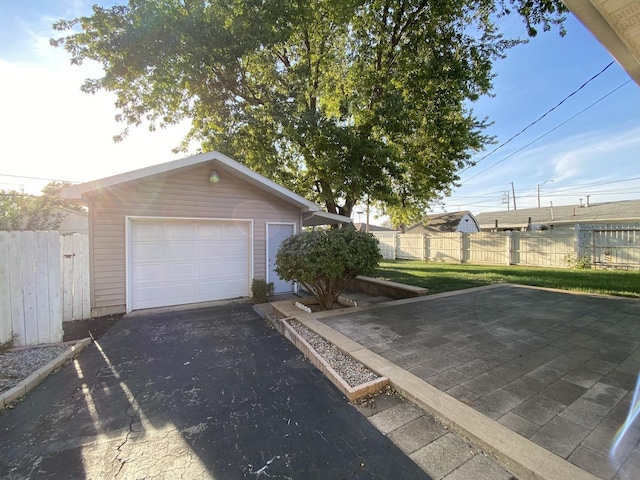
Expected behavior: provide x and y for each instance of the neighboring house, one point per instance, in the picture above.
(446, 223)
(72, 221)
(564, 217)
(372, 228)
(193, 230)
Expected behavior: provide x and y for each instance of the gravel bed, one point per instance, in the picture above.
(16, 365)
(351, 371)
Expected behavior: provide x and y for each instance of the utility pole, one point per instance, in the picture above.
(513, 191)
(540, 185)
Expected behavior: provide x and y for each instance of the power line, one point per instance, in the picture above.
(545, 134)
(37, 178)
(540, 118)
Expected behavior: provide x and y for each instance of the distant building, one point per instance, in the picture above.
(372, 228)
(72, 221)
(446, 223)
(563, 217)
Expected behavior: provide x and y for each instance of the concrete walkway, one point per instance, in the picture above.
(541, 379)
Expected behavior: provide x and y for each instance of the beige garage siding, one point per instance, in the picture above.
(181, 194)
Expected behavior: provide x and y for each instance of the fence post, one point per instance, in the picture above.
(509, 247)
(424, 247)
(461, 240)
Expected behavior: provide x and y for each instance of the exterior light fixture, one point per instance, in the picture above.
(213, 176)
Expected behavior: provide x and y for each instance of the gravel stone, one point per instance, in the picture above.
(351, 371)
(16, 365)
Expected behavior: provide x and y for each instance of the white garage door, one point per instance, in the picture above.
(175, 262)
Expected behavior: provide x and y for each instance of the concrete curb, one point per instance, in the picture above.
(26, 385)
(517, 454)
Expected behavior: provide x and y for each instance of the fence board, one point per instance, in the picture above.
(66, 247)
(5, 294)
(77, 277)
(55, 291)
(41, 290)
(30, 328)
(16, 319)
(86, 289)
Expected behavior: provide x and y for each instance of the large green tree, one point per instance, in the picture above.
(339, 100)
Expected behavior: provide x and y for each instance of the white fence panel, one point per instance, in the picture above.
(44, 280)
(74, 251)
(30, 289)
(542, 248)
(609, 247)
(489, 248)
(444, 247)
(410, 247)
(386, 244)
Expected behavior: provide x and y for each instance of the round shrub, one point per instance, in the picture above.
(324, 261)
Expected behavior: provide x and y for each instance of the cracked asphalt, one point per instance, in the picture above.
(201, 394)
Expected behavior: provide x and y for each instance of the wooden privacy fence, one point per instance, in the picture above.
(614, 247)
(44, 280)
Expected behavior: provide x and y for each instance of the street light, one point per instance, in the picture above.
(540, 185)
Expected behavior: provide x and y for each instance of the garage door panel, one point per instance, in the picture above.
(148, 251)
(208, 270)
(149, 273)
(205, 231)
(208, 249)
(148, 296)
(174, 262)
(230, 268)
(179, 271)
(179, 251)
(235, 249)
(150, 232)
(178, 231)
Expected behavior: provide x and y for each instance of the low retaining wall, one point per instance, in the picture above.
(377, 287)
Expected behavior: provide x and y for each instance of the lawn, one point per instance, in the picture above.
(445, 277)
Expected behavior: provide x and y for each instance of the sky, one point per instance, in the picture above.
(587, 146)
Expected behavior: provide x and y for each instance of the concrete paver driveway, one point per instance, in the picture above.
(555, 367)
(212, 393)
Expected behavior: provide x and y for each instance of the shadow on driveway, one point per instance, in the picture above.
(210, 393)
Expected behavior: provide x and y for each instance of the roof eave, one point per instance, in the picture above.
(85, 189)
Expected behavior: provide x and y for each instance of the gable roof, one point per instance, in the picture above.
(372, 228)
(217, 160)
(439, 223)
(625, 211)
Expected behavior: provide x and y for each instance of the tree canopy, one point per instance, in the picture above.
(339, 100)
(20, 211)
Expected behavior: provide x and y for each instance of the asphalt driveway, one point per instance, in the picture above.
(210, 393)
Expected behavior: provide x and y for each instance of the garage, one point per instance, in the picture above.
(174, 261)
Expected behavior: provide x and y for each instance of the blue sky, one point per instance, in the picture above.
(52, 130)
